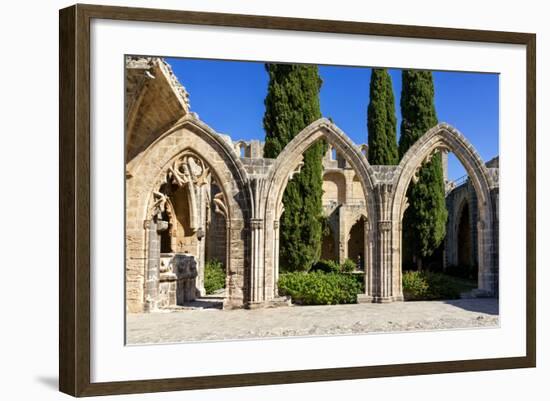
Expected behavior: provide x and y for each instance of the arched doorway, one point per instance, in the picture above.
(328, 247)
(356, 243)
(152, 208)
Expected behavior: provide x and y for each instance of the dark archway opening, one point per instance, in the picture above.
(465, 244)
(464, 237)
(328, 247)
(356, 243)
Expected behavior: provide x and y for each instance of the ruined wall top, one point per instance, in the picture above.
(140, 65)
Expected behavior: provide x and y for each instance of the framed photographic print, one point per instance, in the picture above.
(250, 200)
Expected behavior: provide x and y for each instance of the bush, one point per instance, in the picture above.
(430, 286)
(348, 266)
(318, 288)
(214, 276)
(330, 266)
(326, 266)
(415, 286)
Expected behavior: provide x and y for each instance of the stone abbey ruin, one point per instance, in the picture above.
(193, 194)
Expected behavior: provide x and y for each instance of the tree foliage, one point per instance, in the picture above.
(292, 103)
(381, 121)
(424, 222)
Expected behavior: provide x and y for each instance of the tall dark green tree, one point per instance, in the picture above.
(381, 121)
(292, 103)
(425, 219)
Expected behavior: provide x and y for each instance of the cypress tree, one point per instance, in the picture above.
(425, 219)
(292, 103)
(381, 121)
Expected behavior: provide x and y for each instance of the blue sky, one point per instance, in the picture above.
(229, 96)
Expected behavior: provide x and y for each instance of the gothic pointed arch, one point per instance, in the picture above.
(280, 171)
(446, 138)
(290, 159)
(183, 156)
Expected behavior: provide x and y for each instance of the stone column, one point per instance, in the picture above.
(368, 265)
(257, 293)
(276, 257)
(152, 274)
(487, 277)
(385, 259)
(201, 241)
(236, 284)
(385, 280)
(349, 174)
(342, 234)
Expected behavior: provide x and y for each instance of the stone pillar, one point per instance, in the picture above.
(349, 174)
(342, 234)
(236, 284)
(487, 273)
(152, 274)
(385, 236)
(257, 293)
(201, 241)
(368, 265)
(276, 257)
(385, 259)
(495, 240)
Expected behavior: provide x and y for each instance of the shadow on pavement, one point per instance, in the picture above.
(481, 305)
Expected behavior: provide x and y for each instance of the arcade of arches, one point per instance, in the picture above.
(193, 194)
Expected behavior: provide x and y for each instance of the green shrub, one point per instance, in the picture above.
(415, 286)
(348, 266)
(318, 288)
(214, 276)
(326, 266)
(429, 286)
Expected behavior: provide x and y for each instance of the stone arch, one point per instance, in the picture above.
(286, 165)
(144, 177)
(242, 148)
(444, 137)
(334, 186)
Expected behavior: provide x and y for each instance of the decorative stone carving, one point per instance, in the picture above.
(384, 225)
(188, 169)
(159, 204)
(256, 224)
(162, 225)
(296, 170)
(220, 205)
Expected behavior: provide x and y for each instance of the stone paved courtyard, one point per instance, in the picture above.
(215, 324)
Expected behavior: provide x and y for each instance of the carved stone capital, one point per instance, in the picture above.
(384, 225)
(256, 224)
(162, 225)
(276, 224)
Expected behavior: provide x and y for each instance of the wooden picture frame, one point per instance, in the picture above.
(74, 204)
